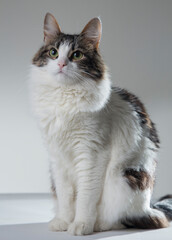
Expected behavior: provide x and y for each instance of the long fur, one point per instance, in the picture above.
(102, 155)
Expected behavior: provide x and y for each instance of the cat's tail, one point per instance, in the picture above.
(164, 204)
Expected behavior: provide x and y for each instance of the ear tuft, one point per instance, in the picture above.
(51, 28)
(93, 31)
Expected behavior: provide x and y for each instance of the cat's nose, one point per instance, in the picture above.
(62, 64)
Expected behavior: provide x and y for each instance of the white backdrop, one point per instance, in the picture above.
(137, 47)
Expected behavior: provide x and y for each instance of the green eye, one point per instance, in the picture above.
(53, 53)
(77, 55)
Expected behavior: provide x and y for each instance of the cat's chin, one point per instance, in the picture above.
(61, 76)
(64, 79)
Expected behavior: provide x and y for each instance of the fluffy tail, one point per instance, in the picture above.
(164, 204)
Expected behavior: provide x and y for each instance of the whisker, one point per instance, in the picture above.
(87, 73)
(84, 81)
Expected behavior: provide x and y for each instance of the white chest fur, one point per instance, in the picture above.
(67, 113)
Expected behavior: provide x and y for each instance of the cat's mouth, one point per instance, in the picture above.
(61, 72)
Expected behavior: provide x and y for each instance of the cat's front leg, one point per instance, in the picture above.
(64, 202)
(88, 195)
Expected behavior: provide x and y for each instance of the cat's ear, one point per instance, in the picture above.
(51, 28)
(93, 31)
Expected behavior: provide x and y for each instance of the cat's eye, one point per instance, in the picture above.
(53, 53)
(77, 55)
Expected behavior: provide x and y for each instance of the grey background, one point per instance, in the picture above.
(136, 45)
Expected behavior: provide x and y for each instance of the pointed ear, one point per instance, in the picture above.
(51, 28)
(93, 31)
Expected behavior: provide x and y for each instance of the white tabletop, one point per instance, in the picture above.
(26, 216)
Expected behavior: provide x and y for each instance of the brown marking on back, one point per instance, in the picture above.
(145, 121)
(146, 222)
(138, 179)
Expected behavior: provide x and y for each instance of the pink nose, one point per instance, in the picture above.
(62, 64)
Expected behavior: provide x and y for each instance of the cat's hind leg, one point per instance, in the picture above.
(126, 202)
(139, 213)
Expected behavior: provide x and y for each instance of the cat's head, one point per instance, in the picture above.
(71, 59)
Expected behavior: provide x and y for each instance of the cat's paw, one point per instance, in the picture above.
(101, 226)
(57, 224)
(80, 228)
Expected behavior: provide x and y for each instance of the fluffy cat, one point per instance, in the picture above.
(101, 142)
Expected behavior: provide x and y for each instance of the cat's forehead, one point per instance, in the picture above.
(75, 41)
(64, 49)
(66, 40)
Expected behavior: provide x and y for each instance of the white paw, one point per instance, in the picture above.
(57, 224)
(80, 228)
(102, 226)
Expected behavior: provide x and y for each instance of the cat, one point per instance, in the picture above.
(101, 142)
